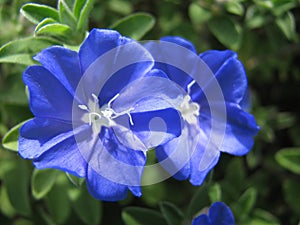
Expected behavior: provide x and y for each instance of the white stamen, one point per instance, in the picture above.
(114, 98)
(96, 100)
(98, 117)
(83, 107)
(189, 86)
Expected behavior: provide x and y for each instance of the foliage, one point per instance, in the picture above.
(261, 188)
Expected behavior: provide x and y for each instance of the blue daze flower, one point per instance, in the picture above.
(218, 214)
(214, 85)
(80, 126)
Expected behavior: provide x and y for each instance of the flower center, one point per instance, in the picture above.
(104, 116)
(189, 109)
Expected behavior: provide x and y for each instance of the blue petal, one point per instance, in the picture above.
(220, 214)
(38, 135)
(103, 189)
(229, 72)
(149, 93)
(63, 64)
(180, 41)
(175, 57)
(156, 127)
(65, 156)
(48, 97)
(240, 128)
(202, 220)
(98, 42)
(118, 167)
(106, 65)
(123, 77)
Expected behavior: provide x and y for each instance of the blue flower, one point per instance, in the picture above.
(218, 214)
(213, 120)
(81, 124)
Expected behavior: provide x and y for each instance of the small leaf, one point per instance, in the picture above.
(87, 208)
(199, 201)
(76, 181)
(84, 14)
(199, 14)
(21, 51)
(55, 29)
(36, 12)
(142, 216)
(16, 180)
(287, 25)
(65, 14)
(245, 203)
(135, 26)
(57, 200)
(214, 193)
(292, 194)
(42, 181)
(171, 213)
(226, 31)
(44, 22)
(235, 8)
(10, 139)
(79, 4)
(289, 158)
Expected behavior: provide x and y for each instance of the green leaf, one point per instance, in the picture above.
(87, 208)
(171, 213)
(10, 139)
(36, 12)
(84, 15)
(227, 31)
(215, 193)
(42, 181)
(142, 216)
(287, 25)
(57, 200)
(79, 4)
(245, 203)
(66, 15)
(289, 158)
(55, 29)
(254, 19)
(199, 201)
(235, 8)
(76, 181)
(292, 194)
(198, 14)
(21, 51)
(16, 180)
(262, 217)
(135, 26)
(5, 206)
(44, 22)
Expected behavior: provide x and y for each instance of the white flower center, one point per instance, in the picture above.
(104, 116)
(189, 109)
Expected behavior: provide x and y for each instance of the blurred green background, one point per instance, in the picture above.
(261, 188)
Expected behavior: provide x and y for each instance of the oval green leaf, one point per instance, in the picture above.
(289, 159)
(21, 51)
(16, 180)
(55, 29)
(10, 139)
(135, 26)
(42, 181)
(88, 209)
(171, 213)
(142, 216)
(36, 12)
(228, 32)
